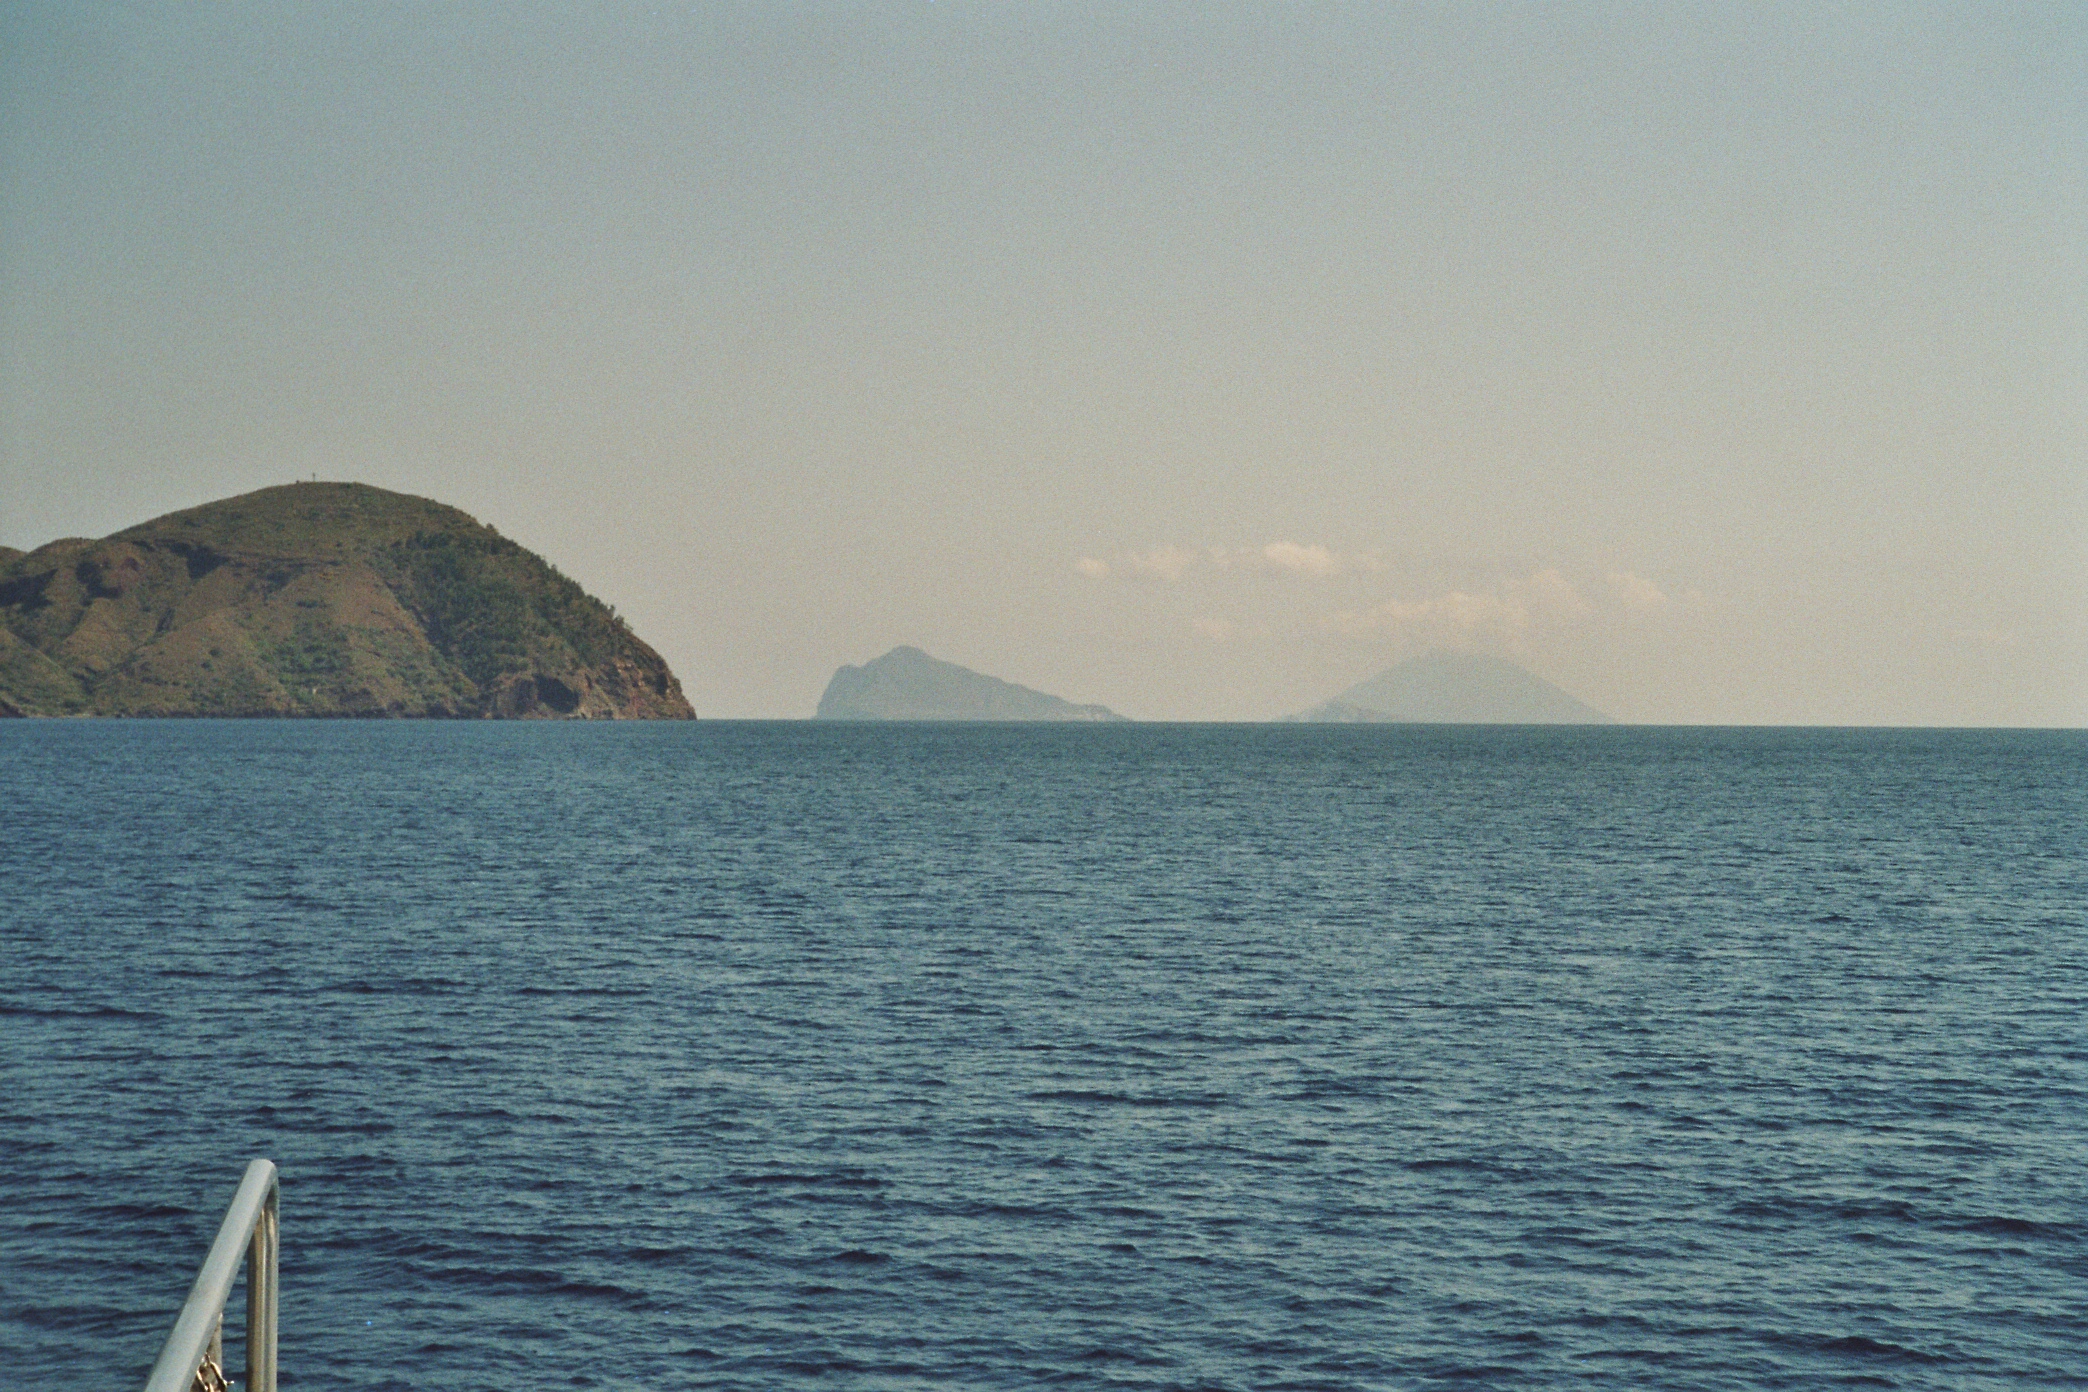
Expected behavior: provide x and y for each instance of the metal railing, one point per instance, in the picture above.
(193, 1359)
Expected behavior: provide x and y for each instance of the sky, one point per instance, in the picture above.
(1722, 364)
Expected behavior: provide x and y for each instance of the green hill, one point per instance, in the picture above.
(315, 599)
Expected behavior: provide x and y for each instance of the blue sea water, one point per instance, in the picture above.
(802, 1055)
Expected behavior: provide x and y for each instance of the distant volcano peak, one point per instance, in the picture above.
(1455, 688)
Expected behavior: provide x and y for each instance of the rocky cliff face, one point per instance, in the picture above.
(315, 600)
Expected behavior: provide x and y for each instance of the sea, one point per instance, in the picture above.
(809, 1055)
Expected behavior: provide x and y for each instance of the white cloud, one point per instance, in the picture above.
(1166, 562)
(1294, 559)
(1161, 563)
(1451, 618)
(1636, 592)
(1507, 609)
(1290, 558)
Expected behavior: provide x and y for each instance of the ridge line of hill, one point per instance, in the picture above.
(316, 599)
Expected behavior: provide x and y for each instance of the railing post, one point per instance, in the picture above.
(249, 1229)
(261, 1302)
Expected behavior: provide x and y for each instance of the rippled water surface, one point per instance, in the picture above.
(1206, 1057)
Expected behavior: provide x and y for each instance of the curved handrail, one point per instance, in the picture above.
(249, 1229)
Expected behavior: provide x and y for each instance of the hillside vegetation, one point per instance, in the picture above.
(315, 599)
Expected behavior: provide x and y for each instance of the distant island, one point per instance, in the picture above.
(316, 599)
(908, 684)
(1452, 688)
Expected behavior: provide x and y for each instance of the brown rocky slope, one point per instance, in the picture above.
(315, 599)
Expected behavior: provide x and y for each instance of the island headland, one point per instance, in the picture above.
(1455, 688)
(908, 684)
(316, 599)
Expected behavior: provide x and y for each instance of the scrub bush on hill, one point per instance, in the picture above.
(491, 607)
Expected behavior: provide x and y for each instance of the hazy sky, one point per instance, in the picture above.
(1719, 362)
